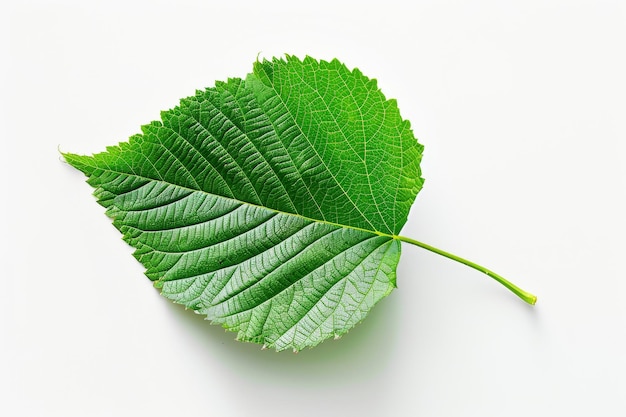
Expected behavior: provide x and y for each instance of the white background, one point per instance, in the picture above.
(521, 106)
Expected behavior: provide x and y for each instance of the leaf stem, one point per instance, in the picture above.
(526, 296)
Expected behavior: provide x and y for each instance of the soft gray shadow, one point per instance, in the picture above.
(341, 361)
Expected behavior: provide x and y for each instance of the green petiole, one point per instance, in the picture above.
(524, 295)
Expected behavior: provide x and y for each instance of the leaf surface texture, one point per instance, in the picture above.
(270, 203)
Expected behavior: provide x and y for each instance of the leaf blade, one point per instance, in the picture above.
(238, 214)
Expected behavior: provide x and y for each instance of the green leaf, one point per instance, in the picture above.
(270, 204)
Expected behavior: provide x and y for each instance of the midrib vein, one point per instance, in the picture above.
(344, 226)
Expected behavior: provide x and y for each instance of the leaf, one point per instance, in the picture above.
(270, 204)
